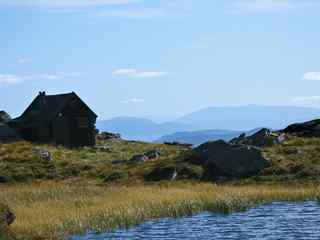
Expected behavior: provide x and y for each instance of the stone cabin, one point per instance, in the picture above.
(62, 119)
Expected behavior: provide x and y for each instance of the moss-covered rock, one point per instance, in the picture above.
(221, 159)
(162, 173)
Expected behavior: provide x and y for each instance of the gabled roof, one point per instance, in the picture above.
(46, 107)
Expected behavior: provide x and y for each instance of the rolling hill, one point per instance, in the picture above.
(191, 126)
(249, 117)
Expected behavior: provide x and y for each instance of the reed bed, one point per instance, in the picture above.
(55, 211)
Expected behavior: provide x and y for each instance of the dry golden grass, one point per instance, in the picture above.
(54, 210)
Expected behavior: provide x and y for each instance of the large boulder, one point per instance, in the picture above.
(141, 158)
(221, 159)
(305, 129)
(162, 173)
(153, 154)
(262, 138)
(148, 156)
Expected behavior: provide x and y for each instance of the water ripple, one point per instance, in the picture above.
(276, 221)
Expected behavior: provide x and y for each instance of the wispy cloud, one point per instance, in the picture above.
(23, 60)
(65, 3)
(312, 76)
(10, 79)
(134, 73)
(306, 99)
(134, 100)
(15, 78)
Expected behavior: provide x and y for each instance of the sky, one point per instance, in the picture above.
(161, 58)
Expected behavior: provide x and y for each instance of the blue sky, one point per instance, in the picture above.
(160, 59)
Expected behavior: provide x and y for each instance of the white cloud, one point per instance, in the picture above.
(312, 76)
(65, 3)
(14, 78)
(10, 79)
(143, 13)
(134, 100)
(306, 99)
(134, 73)
(124, 71)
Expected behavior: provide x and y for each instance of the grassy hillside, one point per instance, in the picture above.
(297, 159)
(88, 188)
(19, 161)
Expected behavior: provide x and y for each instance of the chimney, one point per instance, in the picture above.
(42, 96)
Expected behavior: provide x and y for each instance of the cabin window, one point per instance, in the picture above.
(83, 122)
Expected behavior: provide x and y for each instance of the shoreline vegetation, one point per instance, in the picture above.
(58, 210)
(100, 188)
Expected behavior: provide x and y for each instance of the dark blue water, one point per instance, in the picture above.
(268, 222)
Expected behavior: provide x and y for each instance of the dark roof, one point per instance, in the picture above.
(46, 107)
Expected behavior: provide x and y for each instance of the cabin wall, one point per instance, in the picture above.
(82, 131)
(29, 134)
(60, 131)
(44, 134)
(74, 128)
(81, 124)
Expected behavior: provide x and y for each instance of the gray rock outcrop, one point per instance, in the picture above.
(153, 154)
(141, 158)
(262, 138)
(221, 159)
(305, 129)
(148, 156)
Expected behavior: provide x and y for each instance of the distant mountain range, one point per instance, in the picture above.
(202, 136)
(249, 117)
(141, 128)
(191, 126)
(199, 137)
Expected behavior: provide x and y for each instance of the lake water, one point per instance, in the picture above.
(268, 222)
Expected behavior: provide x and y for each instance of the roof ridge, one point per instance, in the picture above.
(61, 94)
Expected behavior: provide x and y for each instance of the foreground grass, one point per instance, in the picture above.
(58, 210)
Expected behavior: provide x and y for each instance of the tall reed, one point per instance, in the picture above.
(54, 211)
